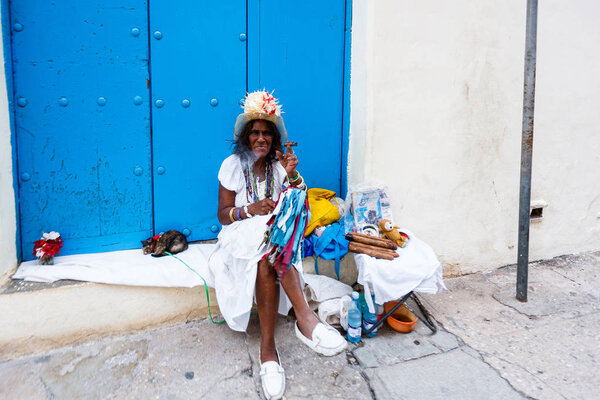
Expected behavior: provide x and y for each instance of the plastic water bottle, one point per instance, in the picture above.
(369, 319)
(380, 311)
(354, 320)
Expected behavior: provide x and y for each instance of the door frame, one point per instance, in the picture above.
(346, 99)
(10, 93)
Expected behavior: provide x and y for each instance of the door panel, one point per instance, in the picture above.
(297, 49)
(198, 77)
(82, 122)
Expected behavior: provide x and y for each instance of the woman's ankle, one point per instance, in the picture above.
(268, 351)
(307, 323)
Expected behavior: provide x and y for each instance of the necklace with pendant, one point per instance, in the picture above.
(252, 185)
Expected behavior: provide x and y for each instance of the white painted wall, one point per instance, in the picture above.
(8, 223)
(438, 120)
(358, 92)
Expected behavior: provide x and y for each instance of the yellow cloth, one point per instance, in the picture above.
(322, 211)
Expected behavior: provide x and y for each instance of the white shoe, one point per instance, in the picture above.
(272, 378)
(325, 340)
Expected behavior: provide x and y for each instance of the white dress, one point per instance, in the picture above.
(235, 260)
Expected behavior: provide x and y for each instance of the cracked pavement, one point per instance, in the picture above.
(488, 346)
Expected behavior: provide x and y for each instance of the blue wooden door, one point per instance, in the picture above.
(297, 49)
(82, 122)
(198, 75)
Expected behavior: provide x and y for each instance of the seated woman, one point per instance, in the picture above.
(251, 180)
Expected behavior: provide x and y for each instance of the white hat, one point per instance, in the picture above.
(260, 105)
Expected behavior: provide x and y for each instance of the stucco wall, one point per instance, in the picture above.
(8, 224)
(440, 123)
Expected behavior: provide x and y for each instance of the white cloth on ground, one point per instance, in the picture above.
(125, 267)
(417, 268)
(133, 268)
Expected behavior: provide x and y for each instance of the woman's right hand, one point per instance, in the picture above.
(262, 207)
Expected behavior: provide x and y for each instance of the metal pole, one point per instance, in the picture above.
(526, 149)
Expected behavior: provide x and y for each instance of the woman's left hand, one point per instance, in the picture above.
(289, 161)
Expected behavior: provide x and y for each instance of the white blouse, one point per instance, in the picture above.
(231, 177)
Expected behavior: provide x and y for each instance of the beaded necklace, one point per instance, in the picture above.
(251, 187)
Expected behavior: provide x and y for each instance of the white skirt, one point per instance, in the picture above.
(234, 264)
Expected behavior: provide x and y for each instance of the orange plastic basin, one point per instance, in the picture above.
(402, 320)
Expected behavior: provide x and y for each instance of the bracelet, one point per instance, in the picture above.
(239, 216)
(231, 214)
(295, 179)
(247, 212)
(301, 185)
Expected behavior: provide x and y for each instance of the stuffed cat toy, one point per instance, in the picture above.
(171, 241)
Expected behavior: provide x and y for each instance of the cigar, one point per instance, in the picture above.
(373, 241)
(372, 251)
(380, 249)
(288, 146)
(376, 252)
(378, 239)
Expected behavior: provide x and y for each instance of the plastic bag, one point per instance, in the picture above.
(321, 288)
(340, 204)
(335, 311)
(365, 206)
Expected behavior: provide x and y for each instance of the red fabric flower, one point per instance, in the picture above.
(47, 248)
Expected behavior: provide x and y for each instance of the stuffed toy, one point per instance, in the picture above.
(389, 231)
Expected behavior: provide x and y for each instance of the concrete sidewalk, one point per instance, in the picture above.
(489, 346)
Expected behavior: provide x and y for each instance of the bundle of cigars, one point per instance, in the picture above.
(371, 245)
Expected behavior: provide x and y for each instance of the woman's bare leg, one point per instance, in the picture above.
(306, 318)
(267, 301)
